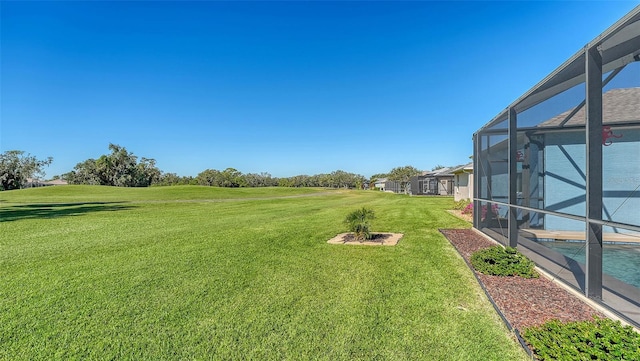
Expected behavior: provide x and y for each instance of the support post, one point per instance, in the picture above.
(513, 178)
(477, 175)
(488, 182)
(526, 180)
(593, 71)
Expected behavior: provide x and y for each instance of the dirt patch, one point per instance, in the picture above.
(467, 217)
(377, 239)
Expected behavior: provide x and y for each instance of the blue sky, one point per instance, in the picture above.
(281, 87)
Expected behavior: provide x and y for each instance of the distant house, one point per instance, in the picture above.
(392, 186)
(386, 185)
(463, 182)
(31, 183)
(56, 182)
(436, 182)
(380, 183)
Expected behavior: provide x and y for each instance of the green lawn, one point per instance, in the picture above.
(167, 273)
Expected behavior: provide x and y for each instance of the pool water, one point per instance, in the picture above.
(619, 261)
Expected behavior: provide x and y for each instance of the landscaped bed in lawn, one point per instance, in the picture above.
(525, 302)
(206, 273)
(554, 324)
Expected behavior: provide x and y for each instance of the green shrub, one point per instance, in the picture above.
(500, 261)
(600, 339)
(358, 223)
(461, 204)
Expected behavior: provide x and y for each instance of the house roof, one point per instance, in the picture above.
(618, 106)
(56, 182)
(442, 172)
(467, 168)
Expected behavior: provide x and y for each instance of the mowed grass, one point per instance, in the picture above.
(190, 272)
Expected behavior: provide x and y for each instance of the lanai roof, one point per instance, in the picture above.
(618, 45)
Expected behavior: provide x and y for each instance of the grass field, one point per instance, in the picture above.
(168, 273)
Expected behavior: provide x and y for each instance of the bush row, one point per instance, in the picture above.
(599, 339)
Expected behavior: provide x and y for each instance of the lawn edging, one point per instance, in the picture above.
(510, 327)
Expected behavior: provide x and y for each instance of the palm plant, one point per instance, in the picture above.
(358, 223)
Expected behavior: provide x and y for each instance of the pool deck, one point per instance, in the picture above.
(577, 235)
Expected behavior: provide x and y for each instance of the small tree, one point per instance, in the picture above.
(16, 168)
(403, 175)
(120, 169)
(358, 223)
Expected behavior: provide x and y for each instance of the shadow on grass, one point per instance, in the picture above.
(55, 210)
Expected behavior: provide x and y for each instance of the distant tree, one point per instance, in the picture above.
(439, 166)
(323, 180)
(340, 179)
(268, 180)
(302, 180)
(285, 182)
(232, 178)
(84, 173)
(146, 172)
(16, 167)
(263, 179)
(403, 175)
(120, 169)
(378, 176)
(252, 180)
(168, 179)
(172, 179)
(209, 177)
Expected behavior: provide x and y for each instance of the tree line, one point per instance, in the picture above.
(122, 168)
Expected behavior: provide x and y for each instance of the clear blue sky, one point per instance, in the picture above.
(281, 87)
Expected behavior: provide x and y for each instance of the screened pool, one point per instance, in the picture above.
(562, 163)
(619, 261)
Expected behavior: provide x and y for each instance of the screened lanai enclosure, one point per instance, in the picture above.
(558, 171)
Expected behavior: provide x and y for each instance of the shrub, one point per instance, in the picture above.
(600, 339)
(499, 261)
(468, 209)
(485, 210)
(358, 223)
(461, 204)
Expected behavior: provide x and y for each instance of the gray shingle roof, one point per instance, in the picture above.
(618, 106)
(462, 168)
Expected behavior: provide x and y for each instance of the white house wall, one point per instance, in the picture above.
(463, 186)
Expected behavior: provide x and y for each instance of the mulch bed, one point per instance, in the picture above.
(377, 239)
(522, 302)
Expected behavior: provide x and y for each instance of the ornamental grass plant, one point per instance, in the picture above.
(358, 223)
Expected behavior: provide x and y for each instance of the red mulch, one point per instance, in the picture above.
(523, 302)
